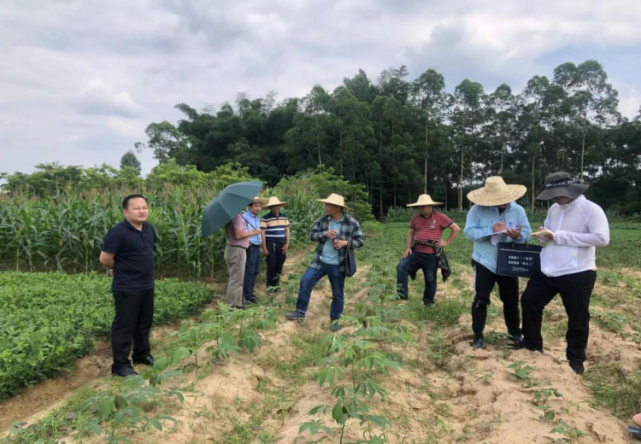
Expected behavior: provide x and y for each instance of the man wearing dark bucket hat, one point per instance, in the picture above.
(573, 228)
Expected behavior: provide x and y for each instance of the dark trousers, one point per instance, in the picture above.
(575, 290)
(252, 269)
(336, 280)
(484, 281)
(275, 262)
(134, 316)
(409, 266)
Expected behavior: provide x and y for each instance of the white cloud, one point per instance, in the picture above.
(80, 81)
(98, 98)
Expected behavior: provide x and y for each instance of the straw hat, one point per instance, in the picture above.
(273, 201)
(496, 192)
(424, 200)
(561, 185)
(260, 200)
(334, 199)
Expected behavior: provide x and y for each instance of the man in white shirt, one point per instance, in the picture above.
(574, 227)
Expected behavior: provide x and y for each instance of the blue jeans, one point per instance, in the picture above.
(409, 266)
(252, 269)
(337, 281)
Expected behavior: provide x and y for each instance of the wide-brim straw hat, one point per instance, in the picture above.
(424, 200)
(561, 185)
(496, 192)
(273, 201)
(260, 200)
(335, 199)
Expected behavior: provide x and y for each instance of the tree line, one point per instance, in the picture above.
(400, 138)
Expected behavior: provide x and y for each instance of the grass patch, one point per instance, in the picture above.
(444, 313)
(615, 388)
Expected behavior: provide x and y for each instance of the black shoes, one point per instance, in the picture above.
(123, 371)
(515, 340)
(148, 360)
(478, 342)
(577, 367)
(335, 326)
(295, 316)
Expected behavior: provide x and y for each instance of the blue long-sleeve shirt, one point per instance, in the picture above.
(478, 228)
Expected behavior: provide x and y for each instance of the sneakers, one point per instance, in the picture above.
(577, 367)
(479, 342)
(335, 326)
(295, 316)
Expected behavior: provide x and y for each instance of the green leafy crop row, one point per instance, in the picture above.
(49, 319)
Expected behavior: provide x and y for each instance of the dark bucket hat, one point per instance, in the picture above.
(561, 185)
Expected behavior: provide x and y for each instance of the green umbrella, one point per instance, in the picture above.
(227, 204)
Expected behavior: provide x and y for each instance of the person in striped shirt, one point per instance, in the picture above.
(275, 230)
(427, 225)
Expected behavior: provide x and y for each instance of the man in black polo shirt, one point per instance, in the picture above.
(128, 251)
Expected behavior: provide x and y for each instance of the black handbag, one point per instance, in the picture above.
(520, 260)
(350, 261)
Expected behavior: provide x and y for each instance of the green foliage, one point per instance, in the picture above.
(615, 388)
(321, 183)
(138, 403)
(570, 433)
(523, 372)
(372, 228)
(49, 320)
(350, 370)
(129, 160)
(171, 173)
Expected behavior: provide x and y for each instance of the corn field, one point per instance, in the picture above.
(65, 232)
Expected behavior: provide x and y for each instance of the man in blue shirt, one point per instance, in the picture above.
(128, 252)
(495, 218)
(252, 266)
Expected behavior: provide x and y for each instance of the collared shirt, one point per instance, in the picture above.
(237, 223)
(133, 252)
(429, 228)
(578, 228)
(330, 254)
(350, 230)
(253, 223)
(275, 226)
(478, 228)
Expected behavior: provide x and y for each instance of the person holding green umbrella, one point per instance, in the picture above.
(236, 258)
(225, 210)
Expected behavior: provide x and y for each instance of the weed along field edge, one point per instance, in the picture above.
(398, 372)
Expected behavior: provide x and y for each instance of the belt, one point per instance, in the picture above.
(237, 246)
(254, 245)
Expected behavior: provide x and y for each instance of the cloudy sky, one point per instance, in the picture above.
(81, 79)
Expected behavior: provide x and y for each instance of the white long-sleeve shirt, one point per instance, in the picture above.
(578, 228)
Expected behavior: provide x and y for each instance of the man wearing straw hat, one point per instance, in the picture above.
(426, 232)
(252, 264)
(494, 218)
(573, 228)
(335, 232)
(275, 226)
